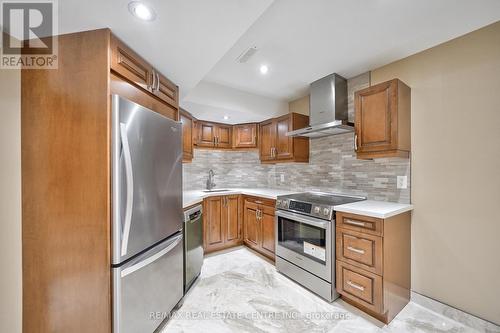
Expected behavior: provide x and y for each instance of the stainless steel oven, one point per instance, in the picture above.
(305, 239)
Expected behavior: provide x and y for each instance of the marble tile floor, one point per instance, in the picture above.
(239, 291)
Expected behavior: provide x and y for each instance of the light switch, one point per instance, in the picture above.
(402, 182)
(282, 178)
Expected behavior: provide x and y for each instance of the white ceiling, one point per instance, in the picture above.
(185, 41)
(211, 101)
(302, 41)
(196, 42)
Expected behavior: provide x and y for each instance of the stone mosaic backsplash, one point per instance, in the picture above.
(332, 167)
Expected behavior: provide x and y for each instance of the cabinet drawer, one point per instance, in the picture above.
(365, 288)
(359, 249)
(365, 224)
(261, 201)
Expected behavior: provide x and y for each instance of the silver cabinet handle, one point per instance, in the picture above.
(129, 177)
(157, 82)
(355, 142)
(353, 249)
(258, 201)
(356, 286)
(358, 223)
(153, 82)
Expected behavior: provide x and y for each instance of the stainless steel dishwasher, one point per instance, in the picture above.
(193, 245)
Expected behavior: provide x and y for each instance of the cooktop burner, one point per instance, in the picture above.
(317, 204)
(323, 198)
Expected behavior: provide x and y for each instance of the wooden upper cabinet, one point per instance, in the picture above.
(275, 146)
(130, 65)
(223, 136)
(284, 144)
(214, 135)
(165, 89)
(245, 136)
(206, 134)
(187, 136)
(267, 142)
(135, 69)
(196, 137)
(382, 120)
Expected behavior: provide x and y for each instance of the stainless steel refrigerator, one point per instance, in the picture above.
(147, 251)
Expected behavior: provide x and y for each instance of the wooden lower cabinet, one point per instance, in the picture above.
(221, 222)
(251, 224)
(259, 231)
(373, 263)
(233, 220)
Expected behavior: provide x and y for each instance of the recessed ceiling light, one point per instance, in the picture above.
(141, 11)
(263, 69)
(226, 117)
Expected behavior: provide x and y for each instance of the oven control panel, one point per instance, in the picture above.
(319, 211)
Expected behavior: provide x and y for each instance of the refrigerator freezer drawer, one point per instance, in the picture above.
(148, 287)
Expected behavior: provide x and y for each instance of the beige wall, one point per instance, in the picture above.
(456, 170)
(300, 105)
(10, 201)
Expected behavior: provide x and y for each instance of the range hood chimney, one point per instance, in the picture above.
(328, 108)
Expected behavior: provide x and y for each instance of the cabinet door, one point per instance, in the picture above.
(245, 136)
(267, 140)
(195, 132)
(129, 65)
(165, 89)
(284, 144)
(376, 117)
(267, 230)
(230, 218)
(224, 134)
(213, 229)
(251, 224)
(187, 138)
(206, 134)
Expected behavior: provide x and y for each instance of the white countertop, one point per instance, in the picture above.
(378, 209)
(190, 198)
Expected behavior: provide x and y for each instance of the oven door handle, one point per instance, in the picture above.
(303, 219)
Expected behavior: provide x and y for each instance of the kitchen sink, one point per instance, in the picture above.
(216, 190)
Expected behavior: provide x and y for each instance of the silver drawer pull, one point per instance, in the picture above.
(361, 224)
(356, 286)
(258, 202)
(353, 249)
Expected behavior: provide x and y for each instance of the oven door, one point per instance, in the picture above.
(306, 242)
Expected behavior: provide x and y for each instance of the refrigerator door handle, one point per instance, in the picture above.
(153, 258)
(130, 187)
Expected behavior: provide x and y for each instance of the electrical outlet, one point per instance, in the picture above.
(282, 178)
(402, 182)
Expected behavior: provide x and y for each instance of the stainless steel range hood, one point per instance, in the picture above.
(328, 108)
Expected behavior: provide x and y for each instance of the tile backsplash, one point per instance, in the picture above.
(332, 167)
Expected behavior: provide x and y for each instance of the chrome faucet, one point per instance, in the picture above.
(210, 180)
